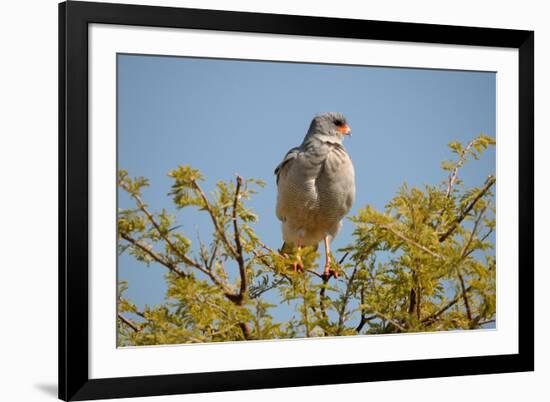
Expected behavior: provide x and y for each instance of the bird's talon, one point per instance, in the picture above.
(298, 266)
(328, 273)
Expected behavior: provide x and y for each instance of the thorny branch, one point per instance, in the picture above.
(128, 322)
(390, 320)
(215, 222)
(454, 174)
(364, 317)
(432, 318)
(154, 255)
(345, 299)
(239, 256)
(452, 179)
(410, 241)
(488, 184)
(463, 294)
(229, 243)
(236, 298)
(141, 205)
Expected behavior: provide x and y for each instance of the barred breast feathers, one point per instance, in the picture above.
(310, 184)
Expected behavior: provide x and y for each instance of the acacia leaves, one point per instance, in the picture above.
(433, 248)
(424, 263)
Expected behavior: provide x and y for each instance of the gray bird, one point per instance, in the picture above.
(316, 186)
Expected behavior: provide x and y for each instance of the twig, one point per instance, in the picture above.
(473, 233)
(312, 272)
(155, 256)
(259, 292)
(235, 298)
(230, 295)
(264, 246)
(150, 217)
(463, 256)
(322, 292)
(245, 328)
(490, 181)
(410, 241)
(213, 255)
(203, 253)
(141, 205)
(323, 298)
(461, 160)
(214, 219)
(306, 316)
(432, 318)
(345, 300)
(343, 258)
(451, 181)
(128, 322)
(268, 265)
(464, 296)
(239, 256)
(363, 321)
(391, 321)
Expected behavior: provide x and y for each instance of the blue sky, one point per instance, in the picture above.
(228, 116)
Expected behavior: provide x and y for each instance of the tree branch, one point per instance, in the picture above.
(461, 160)
(323, 291)
(464, 296)
(410, 241)
(343, 258)
(245, 328)
(254, 294)
(391, 321)
(490, 181)
(465, 251)
(154, 255)
(215, 221)
(213, 255)
(230, 295)
(141, 205)
(128, 322)
(239, 257)
(363, 321)
(432, 318)
(345, 300)
(266, 263)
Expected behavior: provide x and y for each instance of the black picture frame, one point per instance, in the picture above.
(74, 381)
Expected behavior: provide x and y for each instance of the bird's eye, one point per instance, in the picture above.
(338, 123)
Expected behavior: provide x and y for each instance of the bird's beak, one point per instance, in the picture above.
(345, 130)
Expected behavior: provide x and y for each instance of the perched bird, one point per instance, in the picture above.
(316, 187)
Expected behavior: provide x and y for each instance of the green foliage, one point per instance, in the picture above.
(424, 263)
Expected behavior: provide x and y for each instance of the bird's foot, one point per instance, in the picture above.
(298, 266)
(328, 273)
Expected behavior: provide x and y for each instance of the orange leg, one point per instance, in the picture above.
(298, 265)
(328, 272)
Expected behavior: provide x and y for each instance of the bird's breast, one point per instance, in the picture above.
(320, 194)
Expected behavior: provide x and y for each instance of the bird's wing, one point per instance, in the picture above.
(287, 160)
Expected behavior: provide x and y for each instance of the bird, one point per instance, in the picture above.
(316, 187)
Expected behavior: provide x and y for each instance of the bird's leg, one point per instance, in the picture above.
(298, 265)
(328, 272)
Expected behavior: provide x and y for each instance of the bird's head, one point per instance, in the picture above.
(331, 127)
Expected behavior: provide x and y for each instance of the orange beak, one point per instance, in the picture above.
(345, 130)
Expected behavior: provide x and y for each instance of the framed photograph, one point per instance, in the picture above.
(257, 200)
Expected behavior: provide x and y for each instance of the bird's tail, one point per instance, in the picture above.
(286, 248)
